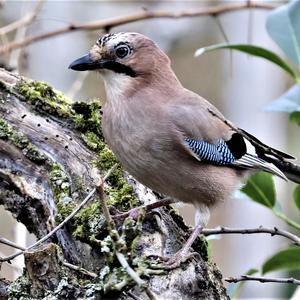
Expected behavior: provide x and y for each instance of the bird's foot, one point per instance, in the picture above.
(175, 261)
(120, 216)
(184, 253)
(135, 212)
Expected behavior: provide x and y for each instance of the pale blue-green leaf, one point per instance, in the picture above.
(283, 25)
(255, 51)
(288, 102)
(288, 259)
(260, 188)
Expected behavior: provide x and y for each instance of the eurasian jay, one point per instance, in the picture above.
(169, 138)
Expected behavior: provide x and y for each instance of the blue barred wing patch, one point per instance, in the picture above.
(218, 153)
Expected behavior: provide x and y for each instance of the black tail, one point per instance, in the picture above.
(290, 170)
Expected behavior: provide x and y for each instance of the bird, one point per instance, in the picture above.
(169, 138)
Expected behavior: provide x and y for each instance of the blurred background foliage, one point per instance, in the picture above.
(257, 95)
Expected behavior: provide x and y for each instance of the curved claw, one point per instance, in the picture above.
(173, 262)
(177, 259)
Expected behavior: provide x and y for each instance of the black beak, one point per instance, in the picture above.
(85, 63)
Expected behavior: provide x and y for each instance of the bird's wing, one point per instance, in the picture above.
(209, 139)
(221, 154)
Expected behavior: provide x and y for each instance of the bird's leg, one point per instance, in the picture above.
(134, 212)
(184, 253)
(201, 220)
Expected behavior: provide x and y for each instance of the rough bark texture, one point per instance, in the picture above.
(51, 155)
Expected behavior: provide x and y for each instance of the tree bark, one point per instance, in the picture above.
(52, 154)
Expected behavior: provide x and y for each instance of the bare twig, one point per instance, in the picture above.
(123, 262)
(108, 218)
(52, 232)
(143, 15)
(134, 276)
(262, 279)
(109, 172)
(271, 231)
(10, 244)
(112, 226)
(21, 27)
(25, 21)
(81, 270)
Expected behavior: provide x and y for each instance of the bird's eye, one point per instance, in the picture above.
(122, 51)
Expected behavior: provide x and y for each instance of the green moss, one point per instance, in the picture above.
(64, 210)
(93, 141)
(201, 246)
(44, 98)
(17, 138)
(123, 197)
(59, 182)
(87, 118)
(106, 159)
(88, 223)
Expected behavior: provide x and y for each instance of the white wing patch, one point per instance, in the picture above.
(253, 162)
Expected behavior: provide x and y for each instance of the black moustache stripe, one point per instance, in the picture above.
(119, 68)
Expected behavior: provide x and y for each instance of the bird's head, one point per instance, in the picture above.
(128, 53)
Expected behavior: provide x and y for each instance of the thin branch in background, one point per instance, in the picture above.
(3, 39)
(9, 243)
(224, 35)
(81, 270)
(24, 21)
(272, 231)
(262, 279)
(52, 232)
(250, 27)
(13, 266)
(77, 84)
(21, 27)
(221, 28)
(109, 23)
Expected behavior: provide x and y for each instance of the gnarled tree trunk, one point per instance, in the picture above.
(52, 154)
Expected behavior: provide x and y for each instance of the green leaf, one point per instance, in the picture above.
(288, 102)
(296, 196)
(234, 289)
(255, 51)
(295, 117)
(283, 25)
(288, 259)
(260, 188)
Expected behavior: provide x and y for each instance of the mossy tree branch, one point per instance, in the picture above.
(52, 154)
